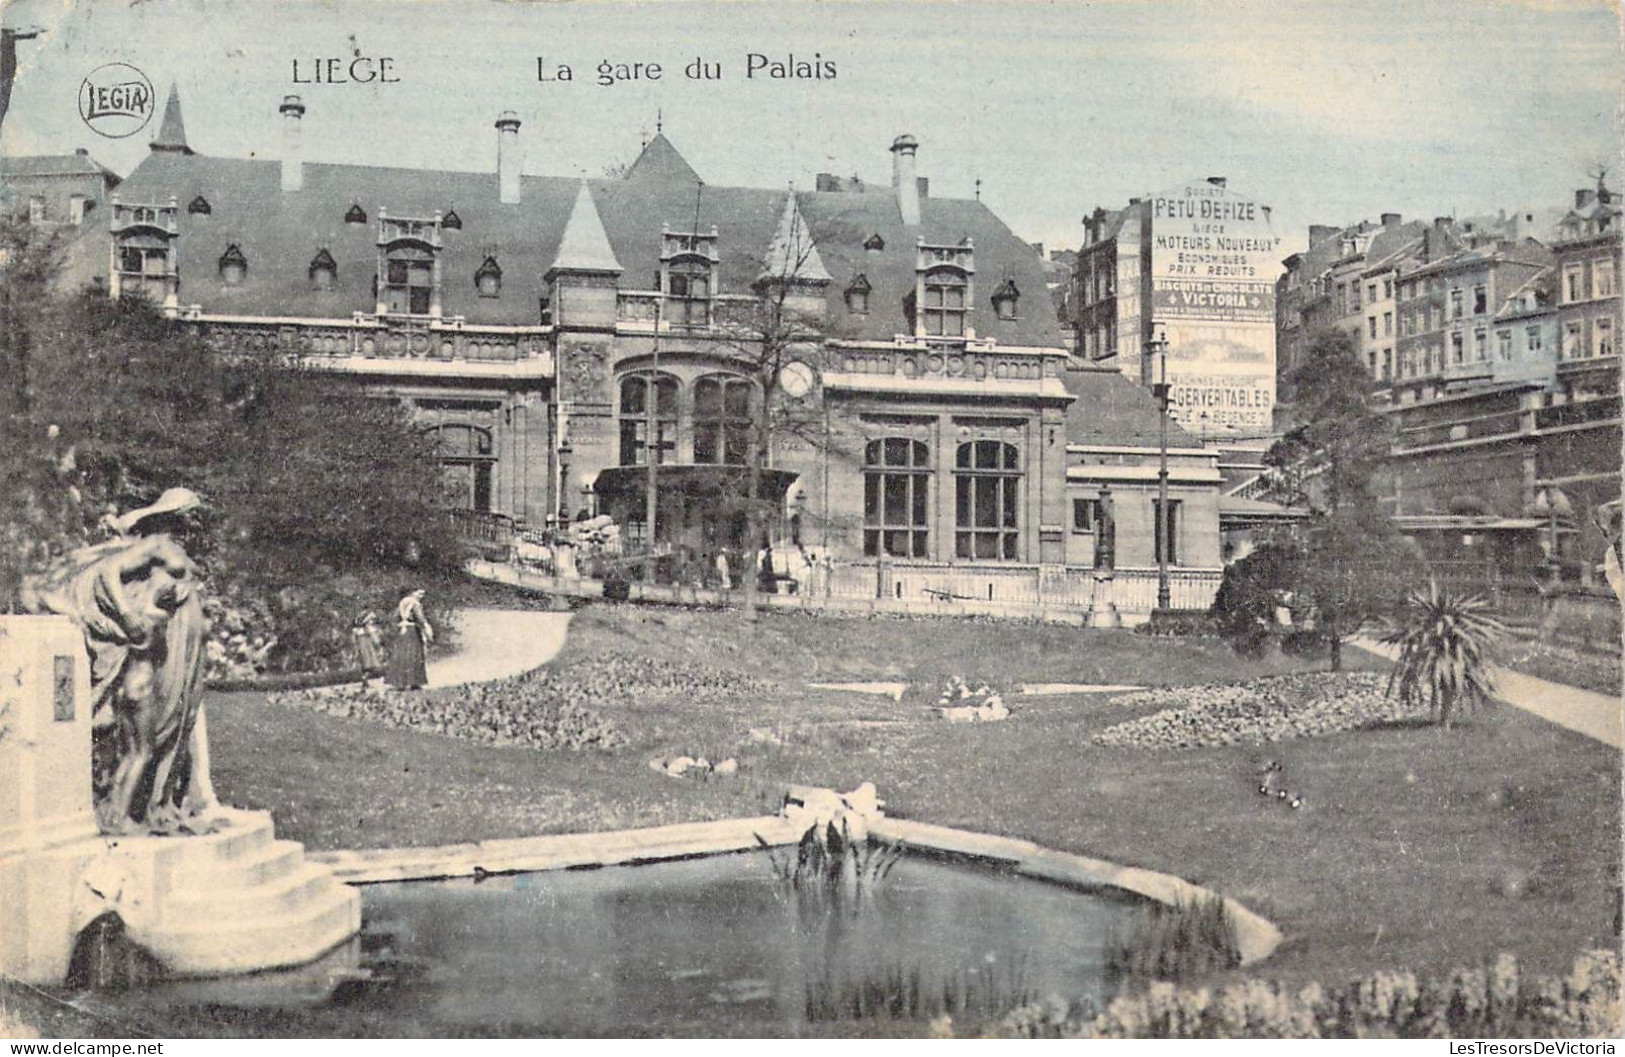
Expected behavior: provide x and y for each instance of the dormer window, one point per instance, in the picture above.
(356, 215)
(233, 266)
(488, 279)
(199, 206)
(945, 301)
(1005, 298)
(451, 221)
(874, 244)
(857, 296)
(324, 273)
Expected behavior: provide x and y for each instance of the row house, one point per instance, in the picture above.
(594, 346)
(59, 190)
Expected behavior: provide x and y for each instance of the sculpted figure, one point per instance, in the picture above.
(136, 599)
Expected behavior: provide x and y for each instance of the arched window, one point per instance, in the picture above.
(233, 266)
(488, 279)
(468, 464)
(944, 307)
(857, 295)
(324, 273)
(896, 503)
(987, 501)
(648, 409)
(722, 420)
(1005, 298)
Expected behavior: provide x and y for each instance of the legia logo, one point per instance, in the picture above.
(116, 100)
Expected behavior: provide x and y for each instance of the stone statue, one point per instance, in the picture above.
(135, 597)
(1106, 534)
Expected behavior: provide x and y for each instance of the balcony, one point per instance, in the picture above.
(128, 216)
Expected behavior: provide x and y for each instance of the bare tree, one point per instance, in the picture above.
(781, 326)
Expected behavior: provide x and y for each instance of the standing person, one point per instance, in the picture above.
(723, 580)
(408, 660)
(369, 646)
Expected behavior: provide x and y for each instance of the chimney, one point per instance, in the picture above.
(1321, 232)
(293, 157)
(826, 182)
(903, 180)
(1441, 223)
(1217, 181)
(1582, 197)
(1391, 220)
(508, 157)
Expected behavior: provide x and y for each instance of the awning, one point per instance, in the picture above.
(691, 480)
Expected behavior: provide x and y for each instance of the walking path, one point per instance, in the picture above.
(1597, 716)
(496, 643)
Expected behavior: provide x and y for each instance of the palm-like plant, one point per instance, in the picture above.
(1444, 641)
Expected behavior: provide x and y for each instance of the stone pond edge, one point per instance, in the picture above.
(1256, 936)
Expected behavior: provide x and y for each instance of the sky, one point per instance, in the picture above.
(1329, 113)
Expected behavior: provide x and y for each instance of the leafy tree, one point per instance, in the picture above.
(1445, 642)
(1353, 558)
(316, 492)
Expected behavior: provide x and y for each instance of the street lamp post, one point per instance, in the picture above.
(1157, 350)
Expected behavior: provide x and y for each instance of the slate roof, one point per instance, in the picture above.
(280, 233)
(76, 164)
(1111, 409)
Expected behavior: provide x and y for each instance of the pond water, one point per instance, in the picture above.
(702, 946)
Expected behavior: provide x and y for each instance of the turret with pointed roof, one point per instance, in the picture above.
(792, 255)
(172, 132)
(660, 161)
(584, 246)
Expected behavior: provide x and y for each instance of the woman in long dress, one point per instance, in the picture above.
(407, 660)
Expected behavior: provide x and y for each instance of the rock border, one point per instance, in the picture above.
(1256, 936)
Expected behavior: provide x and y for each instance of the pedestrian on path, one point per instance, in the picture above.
(408, 668)
(723, 579)
(369, 646)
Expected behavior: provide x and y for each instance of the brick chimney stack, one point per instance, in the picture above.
(904, 180)
(508, 157)
(293, 157)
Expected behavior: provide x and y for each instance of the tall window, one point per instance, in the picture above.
(1171, 526)
(1532, 339)
(1481, 345)
(1503, 344)
(688, 282)
(987, 501)
(1602, 335)
(1481, 300)
(142, 270)
(467, 464)
(1456, 303)
(722, 420)
(896, 489)
(648, 409)
(1085, 515)
(1602, 279)
(1571, 341)
(1458, 349)
(1372, 322)
(408, 283)
(1573, 284)
(945, 304)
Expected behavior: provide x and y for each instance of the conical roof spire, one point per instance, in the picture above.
(585, 246)
(172, 132)
(792, 255)
(660, 160)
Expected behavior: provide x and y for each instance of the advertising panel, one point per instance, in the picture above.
(1214, 257)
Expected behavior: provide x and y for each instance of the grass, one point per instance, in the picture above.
(1417, 847)
(1592, 670)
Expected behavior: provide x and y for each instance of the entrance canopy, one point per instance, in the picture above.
(624, 482)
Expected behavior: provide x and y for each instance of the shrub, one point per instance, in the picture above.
(898, 992)
(1444, 642)
(1172, 942)
(1180, 623)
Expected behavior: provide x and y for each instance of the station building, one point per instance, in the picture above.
(561, 335)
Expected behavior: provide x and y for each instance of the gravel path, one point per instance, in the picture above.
(1594, 715)
(497, 643)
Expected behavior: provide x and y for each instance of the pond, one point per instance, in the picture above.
(714, 945)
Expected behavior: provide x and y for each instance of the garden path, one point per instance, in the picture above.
(1595, 715)
(496, 643)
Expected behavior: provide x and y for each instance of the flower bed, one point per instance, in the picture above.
(1275, 708)
(522, 710)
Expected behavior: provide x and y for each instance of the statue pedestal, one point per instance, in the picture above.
(1102, 610)
(234, 900)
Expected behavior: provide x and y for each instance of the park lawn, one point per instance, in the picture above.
(1416, 847)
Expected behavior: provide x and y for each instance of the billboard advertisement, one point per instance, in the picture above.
(1214, 258)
